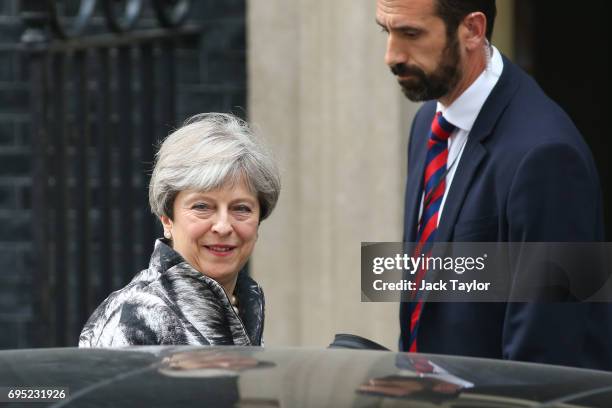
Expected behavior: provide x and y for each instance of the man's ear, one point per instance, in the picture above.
(473, 30)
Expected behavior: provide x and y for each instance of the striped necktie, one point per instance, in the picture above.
(434, 186)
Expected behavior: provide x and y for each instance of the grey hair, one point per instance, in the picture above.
(209, 151)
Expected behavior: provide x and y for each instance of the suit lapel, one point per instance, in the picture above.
(474, 151)
(473, 154)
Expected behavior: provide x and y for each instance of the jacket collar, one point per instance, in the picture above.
(202, 302)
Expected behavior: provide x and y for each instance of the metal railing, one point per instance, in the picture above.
(99, 103)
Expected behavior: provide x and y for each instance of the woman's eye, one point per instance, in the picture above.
(200, 206)
(242, 208)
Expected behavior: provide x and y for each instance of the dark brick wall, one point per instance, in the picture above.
(15, 278)
(214, 77)
(211, 76)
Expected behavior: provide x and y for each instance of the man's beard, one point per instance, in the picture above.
(424, 87)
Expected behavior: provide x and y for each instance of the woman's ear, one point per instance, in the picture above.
(167, 224)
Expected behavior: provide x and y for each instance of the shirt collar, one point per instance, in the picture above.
(464, 110)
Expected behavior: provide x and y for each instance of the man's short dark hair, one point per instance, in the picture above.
(454, 11)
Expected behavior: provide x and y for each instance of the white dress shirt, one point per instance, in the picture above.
(463, 113)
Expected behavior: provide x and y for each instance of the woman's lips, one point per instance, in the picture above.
(220, 250)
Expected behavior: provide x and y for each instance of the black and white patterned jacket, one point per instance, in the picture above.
(172, 303)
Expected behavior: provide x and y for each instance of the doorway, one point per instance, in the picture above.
(564, 46)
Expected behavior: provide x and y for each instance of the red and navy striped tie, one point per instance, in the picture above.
(434, 185)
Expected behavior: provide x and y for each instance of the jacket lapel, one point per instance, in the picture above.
(475, 151)
(473, 154)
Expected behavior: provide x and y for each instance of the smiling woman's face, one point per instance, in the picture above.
(215, 231)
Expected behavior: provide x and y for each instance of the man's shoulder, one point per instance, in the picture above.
(530, 115)
(530, 100)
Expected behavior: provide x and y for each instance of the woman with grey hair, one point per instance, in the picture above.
(212, 184)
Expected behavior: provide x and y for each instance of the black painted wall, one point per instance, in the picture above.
(211, 77)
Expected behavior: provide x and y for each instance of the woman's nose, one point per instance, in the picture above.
(221, 224)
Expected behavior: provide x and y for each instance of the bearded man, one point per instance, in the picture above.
(490, 159)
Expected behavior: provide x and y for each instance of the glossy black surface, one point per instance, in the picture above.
(292, 377)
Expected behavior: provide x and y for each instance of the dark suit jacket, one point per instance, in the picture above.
(525, 175)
